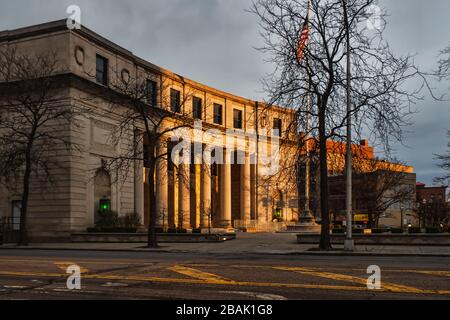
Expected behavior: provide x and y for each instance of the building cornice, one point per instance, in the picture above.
(61, 26)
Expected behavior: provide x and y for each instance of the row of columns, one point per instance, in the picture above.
(182, 189)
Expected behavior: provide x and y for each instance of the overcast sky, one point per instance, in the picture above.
(212, 41)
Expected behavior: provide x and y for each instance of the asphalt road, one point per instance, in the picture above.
(27, 274)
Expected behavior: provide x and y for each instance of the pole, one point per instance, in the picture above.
(349, 242)
(307, 217)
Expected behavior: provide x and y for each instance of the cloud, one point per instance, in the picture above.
(212, 41)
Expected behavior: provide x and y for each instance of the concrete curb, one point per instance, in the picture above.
(268, 253)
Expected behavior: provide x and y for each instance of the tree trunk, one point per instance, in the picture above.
(23, 237)
(371, 222)
(325, 240)
(152, 238)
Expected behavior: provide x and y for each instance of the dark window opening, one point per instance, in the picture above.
(152, 92)
(237, 117)
(218, 114)
(277, 127)
(197, 108)
(102, 70)
(175, 100)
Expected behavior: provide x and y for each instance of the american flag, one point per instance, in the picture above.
(303, 41)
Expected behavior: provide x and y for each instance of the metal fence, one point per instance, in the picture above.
(260, 226)
(9, 230)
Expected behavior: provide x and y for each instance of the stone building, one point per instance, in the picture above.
(236, 194)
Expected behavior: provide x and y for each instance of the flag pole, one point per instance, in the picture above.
(349, 242)
(307, 213)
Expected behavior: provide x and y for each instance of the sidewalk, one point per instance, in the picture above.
(246, 243)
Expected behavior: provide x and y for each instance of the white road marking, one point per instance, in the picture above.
(259, 296)
(114, 284)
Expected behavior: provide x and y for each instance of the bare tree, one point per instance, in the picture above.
(33, 116)
(144, 105)
(379, 185)
(434, 214)
(444, 160)
(381, 104)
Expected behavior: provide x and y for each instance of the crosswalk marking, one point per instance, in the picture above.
(342, 277)
(200, 275)
(64, 265)
(194, 281)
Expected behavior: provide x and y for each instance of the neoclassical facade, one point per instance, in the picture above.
(252, 186)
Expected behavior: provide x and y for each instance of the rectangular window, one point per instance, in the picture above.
(197, 108)
(175, 100)
(152, 92)
(277, 127)
(237, 119)
(102, 70)
(218, 114)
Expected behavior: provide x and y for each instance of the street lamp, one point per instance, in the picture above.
(402, 208)
(349, 244)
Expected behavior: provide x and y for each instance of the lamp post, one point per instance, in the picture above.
(402, 208)
(349, 242)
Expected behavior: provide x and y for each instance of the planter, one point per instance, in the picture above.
(414, 230)
(442, 239)
(143, 237)
(112, 230)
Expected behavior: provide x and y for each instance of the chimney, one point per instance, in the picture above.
(364, 143)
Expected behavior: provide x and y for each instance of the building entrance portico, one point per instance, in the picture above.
(202, 196)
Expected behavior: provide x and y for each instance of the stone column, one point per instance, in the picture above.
(245, 189)
(162, 187)
(184, 197)
(225, 191)
(197, 205)
(206, 199)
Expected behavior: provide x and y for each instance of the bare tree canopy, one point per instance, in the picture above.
(382, 104)
(444, 163)
(148, 116)
(33, 120)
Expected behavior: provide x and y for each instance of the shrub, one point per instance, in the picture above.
(181, 231)
(111, 230)
(396, 230)
(378, 231)
(358, 231)
(197, 231)
(130, 220)
(172, 230)
(414, 230)
(433, 230)
(107, 219)
(338, 231)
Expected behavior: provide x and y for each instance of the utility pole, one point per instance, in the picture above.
(349, 242)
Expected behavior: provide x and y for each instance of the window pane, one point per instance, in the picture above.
(218, 114)
(152, 92)
(175, 100)
(237, 117)
(197, 108)
(277, 127)
(102, 70)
